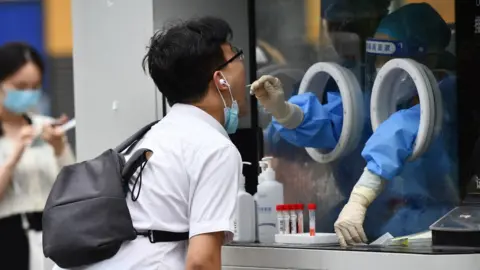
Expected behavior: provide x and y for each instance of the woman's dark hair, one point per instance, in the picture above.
(182, 58)
(14, 55)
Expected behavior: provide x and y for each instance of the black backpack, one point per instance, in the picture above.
(86, 218)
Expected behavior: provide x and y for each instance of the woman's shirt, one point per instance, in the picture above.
(34, 174)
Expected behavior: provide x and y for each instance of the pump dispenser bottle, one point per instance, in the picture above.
(244, 222)
(263, 167)
(269, 195)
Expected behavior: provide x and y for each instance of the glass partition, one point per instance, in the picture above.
(362, 36)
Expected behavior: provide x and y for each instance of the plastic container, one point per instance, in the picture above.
(263, 166)
(299, 208)
(311, 218)
(256, 220)
(280, 221)
(293, 218)
(459, 227)
(286, 219)
(268, 196)
(305, 238)
(244, 222)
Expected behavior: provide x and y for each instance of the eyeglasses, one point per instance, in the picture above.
(238, 54)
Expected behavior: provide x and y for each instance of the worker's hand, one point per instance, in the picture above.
(55, 136)
(349, 225)
(269, 92)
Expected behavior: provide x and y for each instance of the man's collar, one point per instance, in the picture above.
(200, 114)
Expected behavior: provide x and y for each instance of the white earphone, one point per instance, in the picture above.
(223, 82)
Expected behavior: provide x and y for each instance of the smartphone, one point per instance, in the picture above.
(67, 126)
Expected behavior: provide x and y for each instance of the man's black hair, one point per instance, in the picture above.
(182, 58)
(14, 55)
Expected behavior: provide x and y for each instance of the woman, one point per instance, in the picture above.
(32, 150)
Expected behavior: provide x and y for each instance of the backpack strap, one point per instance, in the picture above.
(163, 236)
(139, 159)
(132, 140)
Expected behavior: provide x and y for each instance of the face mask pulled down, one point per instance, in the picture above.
(231, 114)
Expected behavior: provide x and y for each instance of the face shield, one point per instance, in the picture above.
(399, 82)
(378, 53)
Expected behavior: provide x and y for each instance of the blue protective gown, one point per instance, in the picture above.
(418, 192)
(323, 121)
(320, 120)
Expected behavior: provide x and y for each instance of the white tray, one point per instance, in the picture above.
(305, 238)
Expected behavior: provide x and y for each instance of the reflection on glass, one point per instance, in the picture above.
(408, 196)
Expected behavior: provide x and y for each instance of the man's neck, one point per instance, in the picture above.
(210, 104)
(213, 111)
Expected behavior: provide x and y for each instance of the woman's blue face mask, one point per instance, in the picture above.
(21, 101)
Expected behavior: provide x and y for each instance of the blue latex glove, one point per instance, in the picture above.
(392, 143)
(322, 124)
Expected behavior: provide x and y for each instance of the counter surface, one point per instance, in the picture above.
(310, 257)
(416, 249)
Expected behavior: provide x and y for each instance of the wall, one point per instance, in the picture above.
(110, 39)
(58, 27)
(22, 21)
(58, 45)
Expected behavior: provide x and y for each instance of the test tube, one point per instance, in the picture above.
(280, 220)
(286, 219)
(311, 218)
(299, 209)
(293, 218)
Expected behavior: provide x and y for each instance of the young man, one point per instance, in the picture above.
(191, 181)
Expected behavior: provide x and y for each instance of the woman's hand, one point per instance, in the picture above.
(24, 138)
(55, 136)
(63, 119)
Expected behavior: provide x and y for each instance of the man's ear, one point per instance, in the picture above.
(220, 81)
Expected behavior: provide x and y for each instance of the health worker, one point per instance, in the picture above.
(409, 196)
(406, 204)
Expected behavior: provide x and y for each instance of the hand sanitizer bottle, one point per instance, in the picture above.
(244, 222)
(263, 166)
(269, 195)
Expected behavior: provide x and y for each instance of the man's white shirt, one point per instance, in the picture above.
(190, 184)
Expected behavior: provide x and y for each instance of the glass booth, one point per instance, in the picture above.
(364, 61)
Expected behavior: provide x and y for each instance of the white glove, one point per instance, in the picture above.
(269, 92)
(349, 225)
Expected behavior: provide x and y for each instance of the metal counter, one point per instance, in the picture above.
(276, 256)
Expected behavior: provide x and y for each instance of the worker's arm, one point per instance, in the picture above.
(386, 153)
(212, 206)
(302, 121)
(322, 123)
